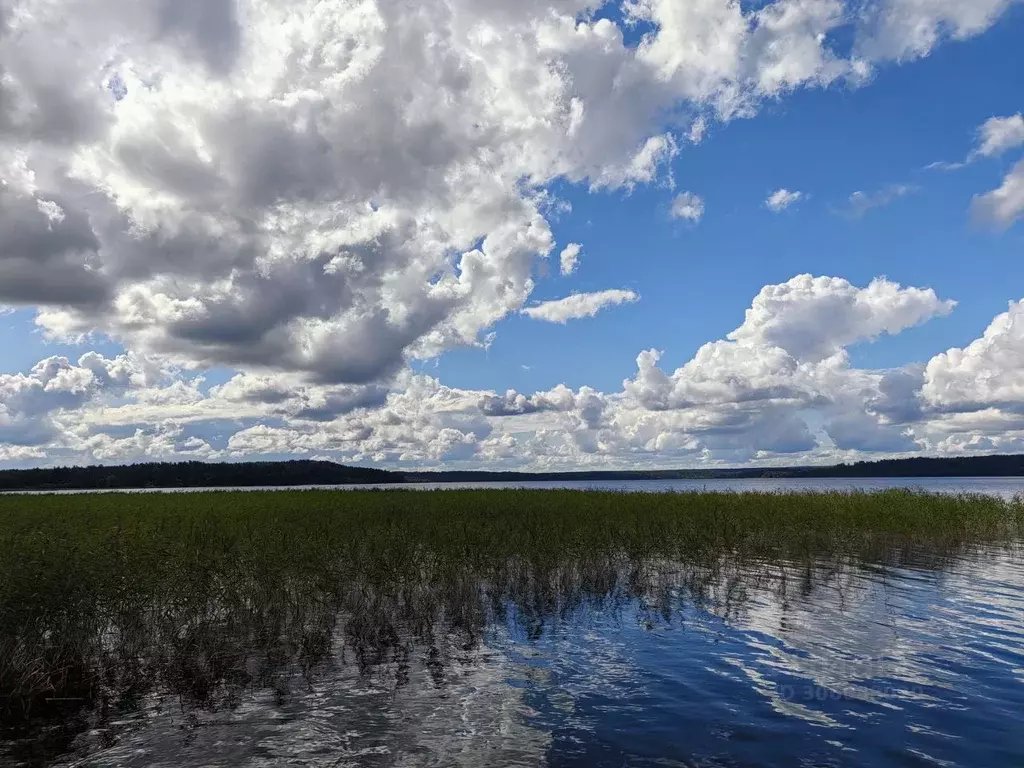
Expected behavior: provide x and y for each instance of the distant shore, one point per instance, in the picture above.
(312, 473)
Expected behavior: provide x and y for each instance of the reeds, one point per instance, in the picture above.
(107, 598)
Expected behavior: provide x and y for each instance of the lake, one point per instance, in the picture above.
(1004, 487)
(826, 663)
(533, 629)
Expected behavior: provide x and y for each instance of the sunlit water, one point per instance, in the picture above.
(828, 664)
(1005, 487)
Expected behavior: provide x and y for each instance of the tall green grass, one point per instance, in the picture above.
(105, 598)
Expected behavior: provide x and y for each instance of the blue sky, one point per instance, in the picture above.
(371, 246)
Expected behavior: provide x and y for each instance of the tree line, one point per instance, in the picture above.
(197, 474)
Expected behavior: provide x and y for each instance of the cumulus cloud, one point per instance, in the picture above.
(909, 29)
(513, 403)
(569, 259)
(781, 199)
(698, 130)
(788, 355)
(812, 318)
(270, 185)
(994, 137)
(1004, 205)
(202, 190)
(721, 55)
(688, 206)
(28, 401)
(780, 388)
(740, 397)
(47, 249)
(579, 305)
(988, 373)
(1000, 134)
(317, 193)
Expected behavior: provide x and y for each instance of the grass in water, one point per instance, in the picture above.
(105, 599)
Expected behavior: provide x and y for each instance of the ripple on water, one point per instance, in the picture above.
(836, 663)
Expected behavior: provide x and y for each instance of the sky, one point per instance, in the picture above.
(542, 235)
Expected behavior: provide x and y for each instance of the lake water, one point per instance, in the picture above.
(1005, 487)
(905, 661)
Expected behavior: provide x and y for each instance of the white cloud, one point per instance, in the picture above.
(271, 185)
(1000, 134)
(715, 53)
(1004, 205)
(944, 165)
(698, 130)
(781, 199)
(744, 395)
(53, 212)
(569, 258)
(689, 206)
(860, 203)
(579, 305)
(994, 137)
(909, 29)
(778, 389)
(316, 193)
(988, 373)
(640, 168)
(812, 318)
(28, 401)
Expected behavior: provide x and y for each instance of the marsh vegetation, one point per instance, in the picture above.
(106, 600)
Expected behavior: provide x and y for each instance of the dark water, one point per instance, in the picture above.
(907, 662)
(1004, 487)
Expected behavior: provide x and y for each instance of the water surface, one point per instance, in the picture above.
(1004, 487)
(912, 659)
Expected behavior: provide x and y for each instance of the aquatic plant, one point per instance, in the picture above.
(105, 599)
